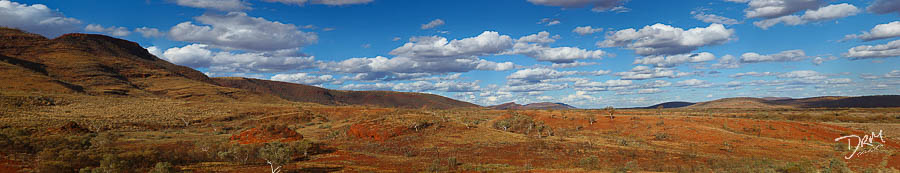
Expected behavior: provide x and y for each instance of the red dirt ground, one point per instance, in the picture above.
(374, 131)
(257, 135)
(7, 165)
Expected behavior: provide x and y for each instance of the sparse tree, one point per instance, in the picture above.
(303, 146)
(276, 155)
(470, 123)
(592, 118)
(238, 153)
(163, 167)
(185, 121)
(611, 111)
(549, 131)
(422, 123)
(659, 110)
(540, 129)
(503, 124)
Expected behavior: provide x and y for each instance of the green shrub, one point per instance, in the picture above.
(276, 154)
(589, 163)
(836, 166)
(797, 167)
(518, 124)
(163, 167)
(303, 146)
(239, 153)
(661, 136)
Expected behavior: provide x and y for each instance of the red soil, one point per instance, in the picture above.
(257, 135)
(7, 165)
(373, 131)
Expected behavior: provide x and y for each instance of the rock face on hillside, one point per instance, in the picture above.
(306, 93)
(100, 65)
(541, 105)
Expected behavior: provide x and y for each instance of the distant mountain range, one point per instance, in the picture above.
(668, 105)
(786, 102)
(541, 105)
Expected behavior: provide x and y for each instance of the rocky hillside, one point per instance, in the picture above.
(306, 93)
(102, 66)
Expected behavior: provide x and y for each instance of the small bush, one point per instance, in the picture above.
(836, 166)
(797, 167)
(163, 167)
(589, 163)
(661, 136)
(520, 124)
(238, 153)
(276, 153)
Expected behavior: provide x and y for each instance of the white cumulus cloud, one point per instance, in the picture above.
(112, 30)
(644, 72)
(675, 60)
(661, 39)
(303, 78)
(783, 56)
(147, 32)
(536, 75)
(221, 5)
(821, 14)
(201, 56)
(890, 49)
(36, 18)
(586, 30)
(880, 31)
(488, 42)
(236, 30)
(776, 8)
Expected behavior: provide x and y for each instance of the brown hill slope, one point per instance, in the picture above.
(844, 102)
(738, 102)
(812, 102)
(101, 65)
(541, 105)
(306, 93)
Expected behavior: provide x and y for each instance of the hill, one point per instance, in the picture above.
(508, 106)
(842, 102)
(306, 93)
(102, 66)
(812, 102)
(738, 102)
(541, 105)
(668, 105)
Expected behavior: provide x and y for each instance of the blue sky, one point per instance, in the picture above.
(587, 53)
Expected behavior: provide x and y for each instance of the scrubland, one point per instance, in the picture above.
(81, 133)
